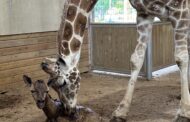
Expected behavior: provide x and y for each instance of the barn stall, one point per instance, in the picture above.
(29, 35)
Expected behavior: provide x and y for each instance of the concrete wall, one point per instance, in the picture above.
(28, 16)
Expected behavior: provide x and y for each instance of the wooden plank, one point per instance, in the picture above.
(84, 69)
(32, 61)
(21, 63)
(15, 82)
(85, 47)
(28, 41)
(84, 52)
(84, 63)
(85, 40)
(29, 35)
(17, 78)
(27, 48)
(84, 57)
(20, 70)
(28, 55)
(81, 62)
(33, 74)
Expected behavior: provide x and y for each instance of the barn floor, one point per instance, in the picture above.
(154, 101)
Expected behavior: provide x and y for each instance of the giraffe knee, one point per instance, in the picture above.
(182, 59)
(141, 47)
(133, 62)
(136, 61)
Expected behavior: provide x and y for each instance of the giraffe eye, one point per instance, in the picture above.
(61, 86)
(62, 61)
(57, 63)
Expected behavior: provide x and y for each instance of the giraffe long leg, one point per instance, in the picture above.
(144, 28)
(182, 59)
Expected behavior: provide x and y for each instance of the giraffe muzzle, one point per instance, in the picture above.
(40, 104)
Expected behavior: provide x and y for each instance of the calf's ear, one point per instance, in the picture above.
(27, 80)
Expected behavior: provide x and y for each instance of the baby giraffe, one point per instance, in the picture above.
(54, 109)
(39, 90)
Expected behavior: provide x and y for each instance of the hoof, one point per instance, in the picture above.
(117, 119)
(182, 119)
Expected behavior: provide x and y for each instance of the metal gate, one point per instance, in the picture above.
(113, 44)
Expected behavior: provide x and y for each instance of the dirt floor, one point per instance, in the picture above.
(154, 101)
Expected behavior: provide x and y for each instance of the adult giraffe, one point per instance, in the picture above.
(64, 74)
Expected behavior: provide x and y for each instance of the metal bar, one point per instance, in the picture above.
(114, 73)
(149, 59)
(132, 23)
(90, 39)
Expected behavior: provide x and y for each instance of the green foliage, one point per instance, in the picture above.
(119, 4)
(111, 11)
(102, 5)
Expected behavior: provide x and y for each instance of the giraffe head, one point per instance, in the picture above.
(64, 80)
(39, 90)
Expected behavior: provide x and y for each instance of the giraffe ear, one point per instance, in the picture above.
(27, 80)
(50, 60)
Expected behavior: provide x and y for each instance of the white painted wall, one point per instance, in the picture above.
(28, 16)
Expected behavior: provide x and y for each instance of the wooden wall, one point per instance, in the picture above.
(22, 54)
(163, 46)
(113, 44)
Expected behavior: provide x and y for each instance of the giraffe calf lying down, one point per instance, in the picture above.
(39, 90)
(54, 109)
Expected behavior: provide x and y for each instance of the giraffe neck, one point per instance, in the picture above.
(51, 108)
(71, 32)
(172, 10)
